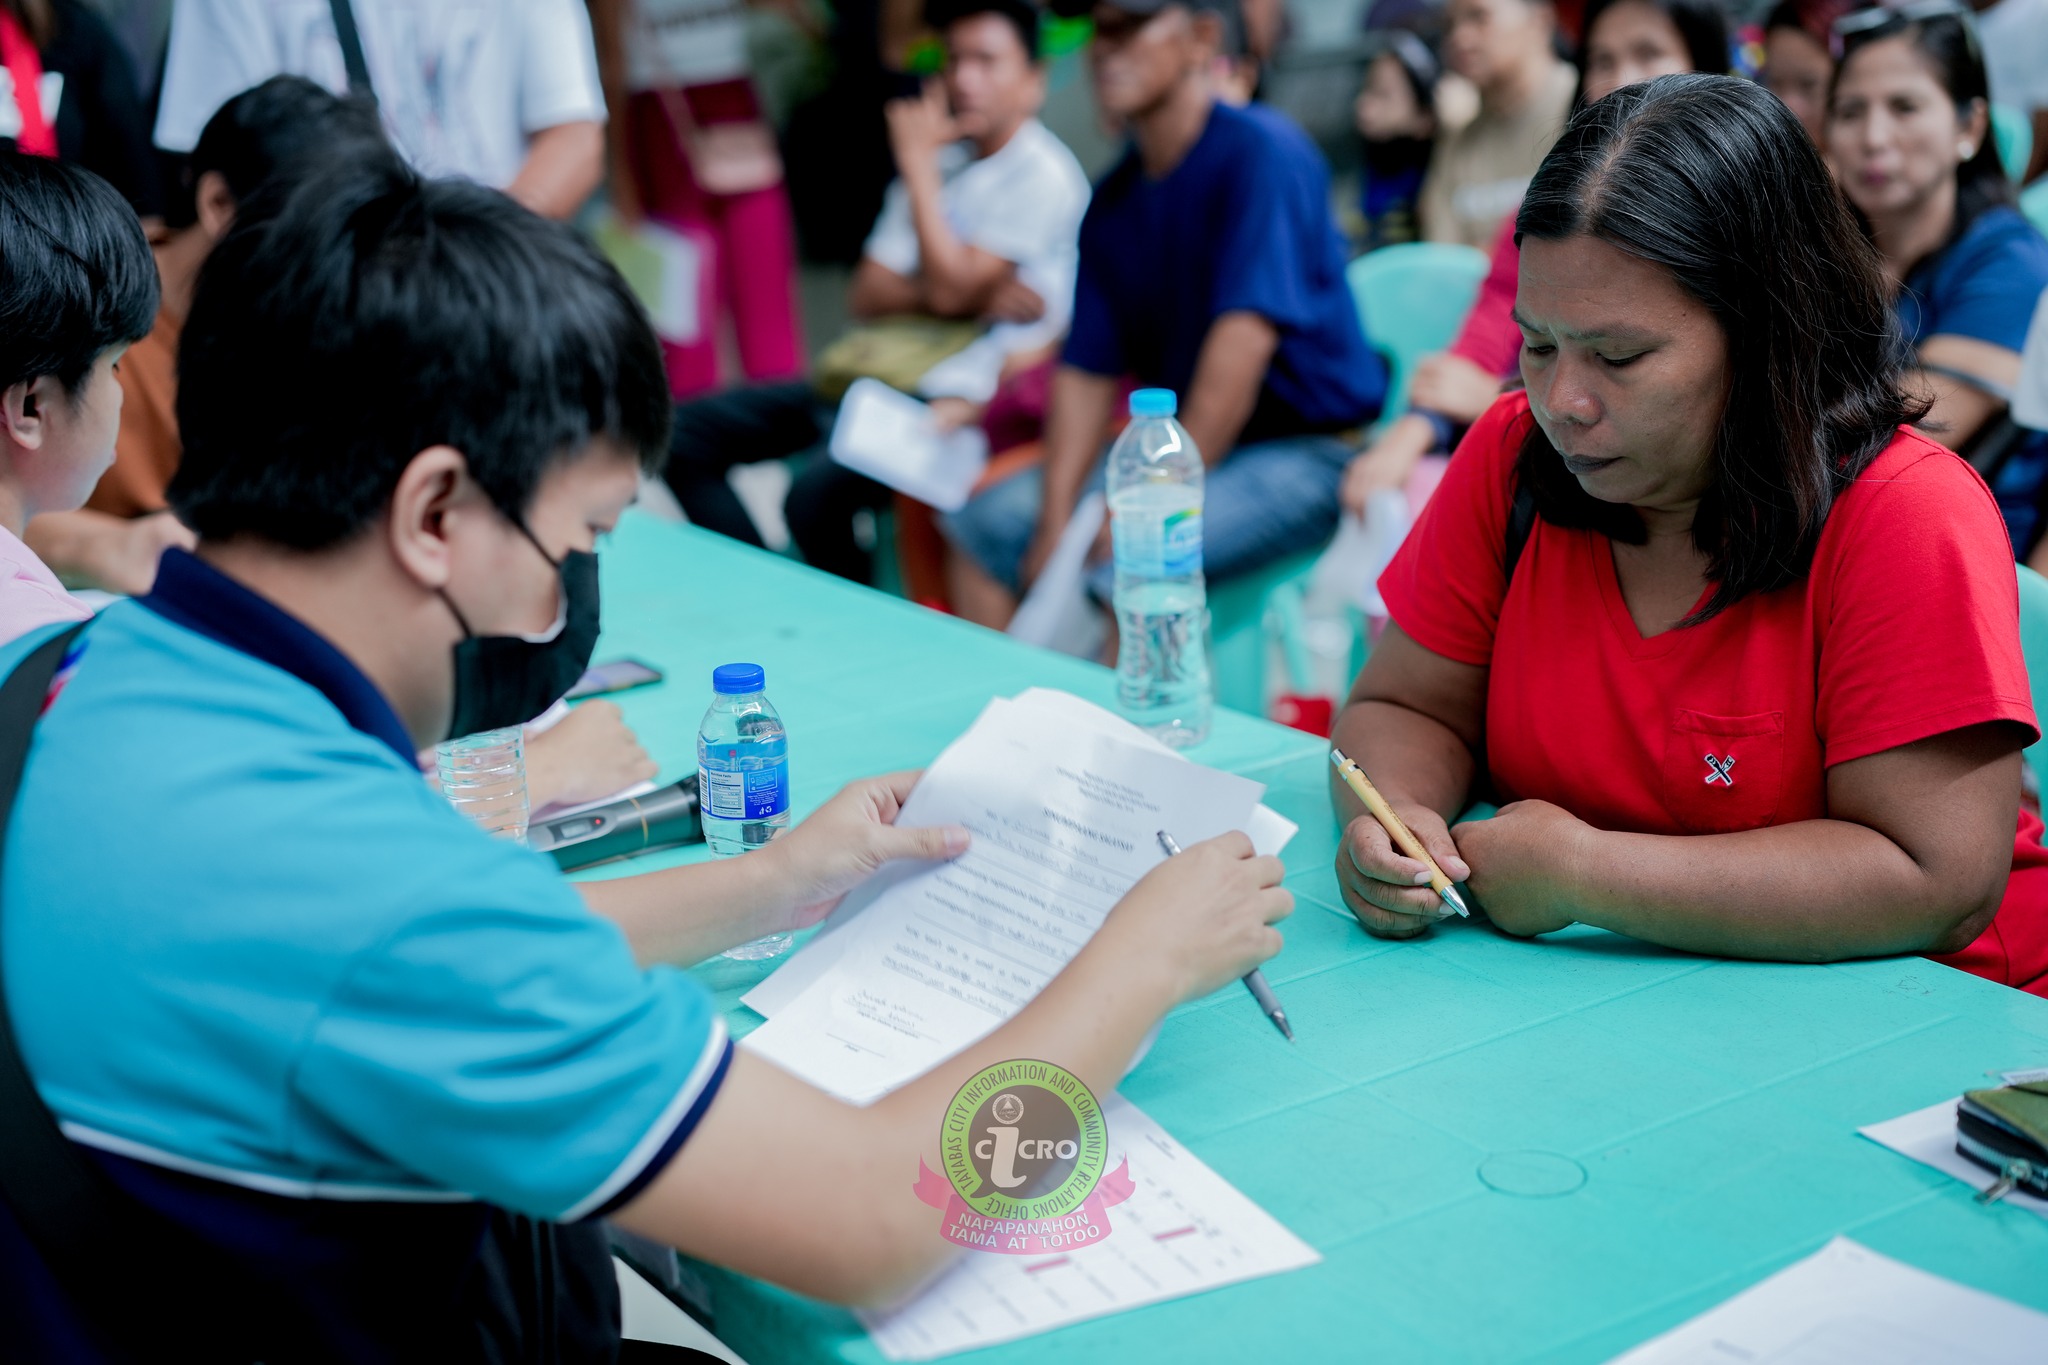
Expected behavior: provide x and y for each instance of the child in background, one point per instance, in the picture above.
(1396, 116)
(77, 288)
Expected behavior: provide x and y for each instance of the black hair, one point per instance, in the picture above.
(76, 276)
(371, 315)
(288, 123)
(1021, 15)
(1714, 180)
(1417, 60)
(1702, 26)
(1948, 44)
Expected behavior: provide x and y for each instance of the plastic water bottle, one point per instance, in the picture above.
(743, 777)
(1162, 608)
(484, 776)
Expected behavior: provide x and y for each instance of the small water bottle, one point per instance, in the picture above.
(484, 776)
(743, 777)
(1162, 610)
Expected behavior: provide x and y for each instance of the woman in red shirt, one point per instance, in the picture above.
(1752, 685)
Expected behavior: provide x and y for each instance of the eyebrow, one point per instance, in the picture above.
(1615, 331)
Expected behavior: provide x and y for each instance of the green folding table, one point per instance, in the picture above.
(1504, 1150)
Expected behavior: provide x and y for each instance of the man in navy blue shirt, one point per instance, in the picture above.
(1209, 265)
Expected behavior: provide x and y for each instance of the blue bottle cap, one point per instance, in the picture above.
(738, 679)
(1154, 403)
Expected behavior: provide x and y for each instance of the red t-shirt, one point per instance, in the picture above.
(1907, 627)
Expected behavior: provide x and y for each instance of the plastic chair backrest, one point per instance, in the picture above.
(2015, 134)
(1412, 299)
(2034, 645)
(2034, 203)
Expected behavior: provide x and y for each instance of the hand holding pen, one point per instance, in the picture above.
(1390, 879)
(1254, 980)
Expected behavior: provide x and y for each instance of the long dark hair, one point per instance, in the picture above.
(1702, 26)
(1948, 44)
(1713, 179)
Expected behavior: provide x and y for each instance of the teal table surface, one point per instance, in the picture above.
(1544, 1151)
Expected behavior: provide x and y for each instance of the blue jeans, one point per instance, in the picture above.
(1266, 501)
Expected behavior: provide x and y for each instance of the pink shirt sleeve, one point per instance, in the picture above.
(1489, 338)
(30, 595)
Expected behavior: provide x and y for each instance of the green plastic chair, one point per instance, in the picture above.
(2014, 132)
(2034, 644)
(2034, 203)
(1412, 299)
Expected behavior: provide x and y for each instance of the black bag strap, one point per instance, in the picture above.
(60, 1200)
(1521, 525)
(352, 50)
(78, 1221)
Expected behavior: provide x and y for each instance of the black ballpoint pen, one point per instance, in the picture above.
(1254, 980)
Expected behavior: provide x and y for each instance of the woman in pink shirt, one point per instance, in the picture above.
(77, 286)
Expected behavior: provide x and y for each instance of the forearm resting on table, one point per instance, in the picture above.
(685, 914)
(1915, 859)
(1412, 723)
(1413, 759)
(786, 1183)
(1817, 891)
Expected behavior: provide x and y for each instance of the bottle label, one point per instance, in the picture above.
(761, 794)
(1181, 552)
(1165, 547)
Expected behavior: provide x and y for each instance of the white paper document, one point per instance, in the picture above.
(1057, 613)
(894, 439)
(927, 959)
(1185, 1230)
(1929, 1137)
(1847, 1305)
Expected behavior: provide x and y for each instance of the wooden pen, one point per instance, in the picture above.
(1403, 837)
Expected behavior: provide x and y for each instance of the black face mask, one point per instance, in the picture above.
(506, 680)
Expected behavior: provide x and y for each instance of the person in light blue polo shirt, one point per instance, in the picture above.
(376, 1073)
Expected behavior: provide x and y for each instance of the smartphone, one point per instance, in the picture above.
(616, 676)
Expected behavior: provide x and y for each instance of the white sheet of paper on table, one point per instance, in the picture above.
(1929, 1137)
(1058, 613)
(1847, 1305)
(1269, 830)
(1065, 821)
(1183, 1231)
(894, 439)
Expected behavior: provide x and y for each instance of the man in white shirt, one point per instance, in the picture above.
(982, 224)
(503, 92)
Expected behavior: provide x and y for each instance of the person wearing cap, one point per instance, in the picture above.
(1210, 265)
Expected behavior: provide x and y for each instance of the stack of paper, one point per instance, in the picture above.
(1847, 1305)
(1065, 802)
(1185, 1230)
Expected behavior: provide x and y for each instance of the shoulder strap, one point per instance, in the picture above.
(352, 50)
(81, 1224)
(1521, 524)
(56, 1195)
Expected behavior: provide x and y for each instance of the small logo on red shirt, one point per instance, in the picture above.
(1717, 770)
